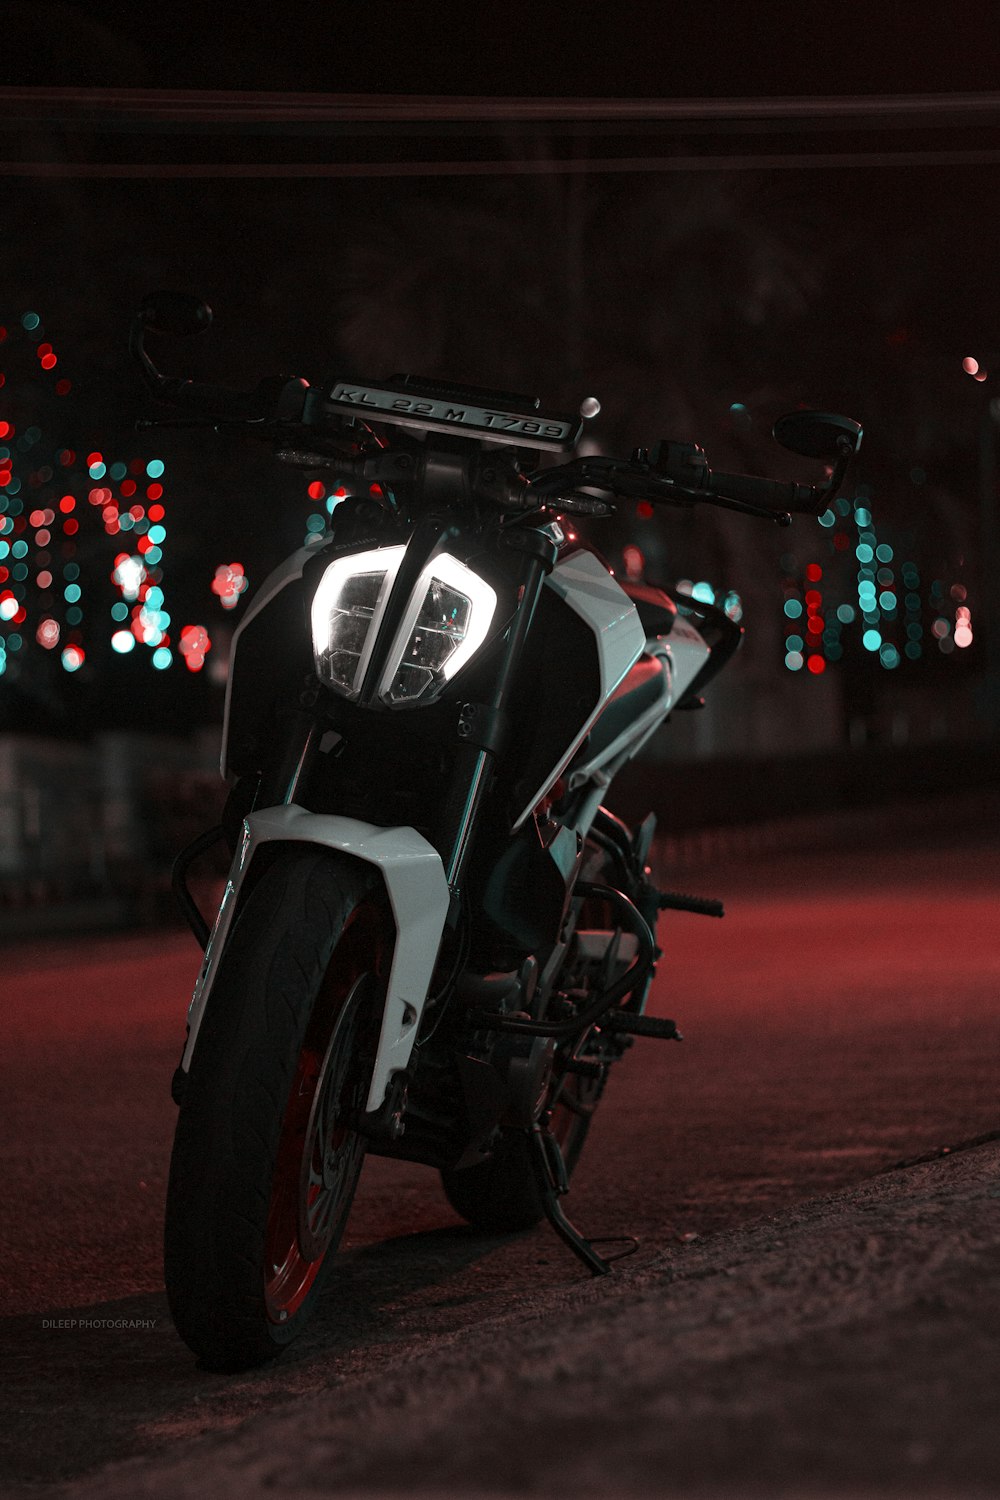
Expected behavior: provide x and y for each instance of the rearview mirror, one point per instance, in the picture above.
(818, 434)
(175, 313)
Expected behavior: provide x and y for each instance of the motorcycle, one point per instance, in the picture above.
(434, 940)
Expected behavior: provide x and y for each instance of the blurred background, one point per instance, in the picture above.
(682, 219)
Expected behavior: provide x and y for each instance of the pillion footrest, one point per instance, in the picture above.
(654, 1026)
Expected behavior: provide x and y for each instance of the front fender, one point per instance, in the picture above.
(418, 894)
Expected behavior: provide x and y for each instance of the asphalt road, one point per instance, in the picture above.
(842, 1017)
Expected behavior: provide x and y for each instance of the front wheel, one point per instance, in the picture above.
(266, 1156)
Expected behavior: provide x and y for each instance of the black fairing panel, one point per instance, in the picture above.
(558, 689)
(273, 653)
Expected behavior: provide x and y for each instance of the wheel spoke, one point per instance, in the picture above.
(323, 1154)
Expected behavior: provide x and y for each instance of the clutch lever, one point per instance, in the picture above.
(144, 423)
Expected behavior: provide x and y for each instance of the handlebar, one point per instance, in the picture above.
(669, 473)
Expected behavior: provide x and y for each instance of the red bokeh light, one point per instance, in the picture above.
(128, 488)
(816, 665)
(63, 387)
(155, 512)
(814, 572)
(154, 491)
(67, 503)
(644, 510)
(71, 527)
(194, 646)
(317, 490)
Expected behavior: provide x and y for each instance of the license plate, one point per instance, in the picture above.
(413, 410)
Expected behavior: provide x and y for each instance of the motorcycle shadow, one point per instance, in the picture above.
(111, 1381)
(383, 1288)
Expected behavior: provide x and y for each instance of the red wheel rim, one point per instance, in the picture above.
(319, 1153)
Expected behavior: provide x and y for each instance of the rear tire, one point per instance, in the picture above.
(501, 1195)
(266, 1160)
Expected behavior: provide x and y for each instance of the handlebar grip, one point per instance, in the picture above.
(279, 397)
(770, 492)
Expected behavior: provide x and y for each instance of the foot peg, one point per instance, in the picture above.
(701, 906)
(654, 1026)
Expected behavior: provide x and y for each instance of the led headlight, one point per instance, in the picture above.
(446, 621)
(346, 610)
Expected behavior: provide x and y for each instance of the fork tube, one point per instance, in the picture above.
(298, 739)
(474, 768)
(474, 765)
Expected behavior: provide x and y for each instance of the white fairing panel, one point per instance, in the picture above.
(588, 588)
(688, 653)
(418, 893)
(591, 592)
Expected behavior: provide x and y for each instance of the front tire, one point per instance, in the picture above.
(266, 1158)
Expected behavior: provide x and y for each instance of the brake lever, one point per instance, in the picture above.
(680, 495)
(744, 508)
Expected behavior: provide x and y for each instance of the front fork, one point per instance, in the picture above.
(482, 727)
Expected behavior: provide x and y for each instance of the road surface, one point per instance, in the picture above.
(844, 1017)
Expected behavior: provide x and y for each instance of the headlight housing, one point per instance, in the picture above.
(446, 619)
(347, 609)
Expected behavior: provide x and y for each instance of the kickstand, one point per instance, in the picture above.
(550, 1172)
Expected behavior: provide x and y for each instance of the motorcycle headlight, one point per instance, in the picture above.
(346, 610)
(446, 621)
